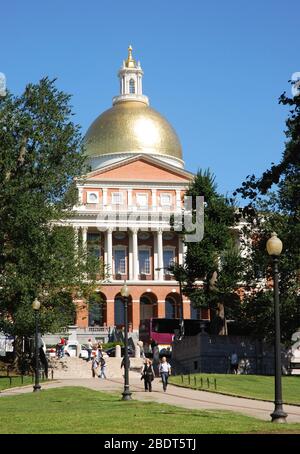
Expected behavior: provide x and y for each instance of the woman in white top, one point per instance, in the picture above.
(164, 372)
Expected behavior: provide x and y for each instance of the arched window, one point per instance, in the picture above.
(170, 308)
(131, 86)
(97, 307)
(119, 311)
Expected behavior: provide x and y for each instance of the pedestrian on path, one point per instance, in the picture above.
(99, 351)
(95, 365)
(102, 368)
(164, 372)
(147, 374)
(234, 363)
(89, 349)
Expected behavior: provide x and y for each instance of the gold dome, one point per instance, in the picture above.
(134, 127)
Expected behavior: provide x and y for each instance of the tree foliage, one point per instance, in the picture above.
(274, 205)
(214, 260)
(41, 155)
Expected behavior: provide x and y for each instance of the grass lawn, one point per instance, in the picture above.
(80, 410)
(5, 382)
(257, 386)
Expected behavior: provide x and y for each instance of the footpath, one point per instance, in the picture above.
(180, 397)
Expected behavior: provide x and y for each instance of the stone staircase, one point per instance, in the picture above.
(77, 368)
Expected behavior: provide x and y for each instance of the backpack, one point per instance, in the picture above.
(102, 361)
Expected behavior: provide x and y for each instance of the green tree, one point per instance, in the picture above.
(41, 154)
(274, 205)
(214, 260)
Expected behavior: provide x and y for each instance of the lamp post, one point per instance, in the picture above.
(126, 393)
(36, 307)
(274, 248)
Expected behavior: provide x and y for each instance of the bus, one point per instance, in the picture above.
(163, 330)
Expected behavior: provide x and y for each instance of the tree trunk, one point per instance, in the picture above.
(223, 331)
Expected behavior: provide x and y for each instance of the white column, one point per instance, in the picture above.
(180, 250)
(76, 229)
(160, 254)
(178, 199)
(130, 255)
(135, 254)
(84, 238)
(109, 251)
(184, 249)
(129, 197)
(104, 200)
(155, 256)
(154, 200)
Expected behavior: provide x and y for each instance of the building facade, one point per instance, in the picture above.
(136, 184)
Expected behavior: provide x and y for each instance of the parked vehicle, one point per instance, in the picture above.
(112, 351)
(84, 354)
(294, 364)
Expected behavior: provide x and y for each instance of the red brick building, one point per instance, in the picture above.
(137, 182)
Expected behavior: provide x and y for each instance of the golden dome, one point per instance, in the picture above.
(132, 127)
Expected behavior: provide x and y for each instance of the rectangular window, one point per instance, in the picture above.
(144, 261)
(166, 200)
(117, 198)
(93, 244)
(120, 261)
(168, 259)
(142, 200)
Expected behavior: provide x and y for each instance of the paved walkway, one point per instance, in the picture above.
(181, 397)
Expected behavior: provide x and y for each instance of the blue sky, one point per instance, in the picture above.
(214, 68)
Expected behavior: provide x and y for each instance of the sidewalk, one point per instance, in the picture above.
(181, 397)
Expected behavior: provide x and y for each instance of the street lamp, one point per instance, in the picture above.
(274, 248)
(125, 294)
(36, 307)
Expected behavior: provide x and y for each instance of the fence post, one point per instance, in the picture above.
(207, 382)
(51, 374)
(189, 379)
(10, 380)
(215, 381)
(22, 379)
(195, 381)
(201, 382)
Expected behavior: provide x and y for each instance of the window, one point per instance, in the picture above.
(93, 244)
(142, 200)
(168, 259)
(120, 261)
(170, 307)
(166, 199)
(144, 261)
(92, 197)
(117, 198)
(131, 86)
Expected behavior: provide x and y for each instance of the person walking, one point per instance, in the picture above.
(234, 363)
(147, 374)
(102, 368)
(89, 349)
(164, 372)
(95, 365)
(99, 351)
